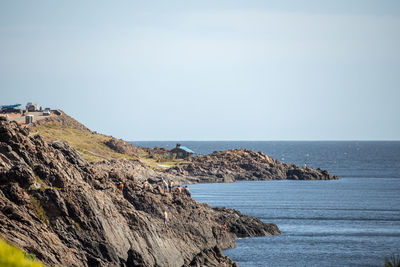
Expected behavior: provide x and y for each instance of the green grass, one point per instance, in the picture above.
(39, 211)
(11, 256)
(392, 261)
(43, 185)
(162, 165)
(91, 145)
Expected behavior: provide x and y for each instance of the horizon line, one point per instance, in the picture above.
(349, 140)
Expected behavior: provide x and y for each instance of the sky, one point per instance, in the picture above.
(208, 70)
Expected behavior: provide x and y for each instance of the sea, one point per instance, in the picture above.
(353, 221)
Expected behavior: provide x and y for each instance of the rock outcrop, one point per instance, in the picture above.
(121, 146)
(69, 212)
(241, 164)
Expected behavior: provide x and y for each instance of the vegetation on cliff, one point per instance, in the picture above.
(90, 144)
(97, 147)
(11, 256)
(392, 261)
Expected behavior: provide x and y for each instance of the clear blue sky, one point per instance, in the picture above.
(209, 70)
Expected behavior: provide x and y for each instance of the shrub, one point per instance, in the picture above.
(39, 211)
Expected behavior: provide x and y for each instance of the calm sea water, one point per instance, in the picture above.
(354, 221)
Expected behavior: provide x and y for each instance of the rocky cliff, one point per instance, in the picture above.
(242, 164)
(69, 212)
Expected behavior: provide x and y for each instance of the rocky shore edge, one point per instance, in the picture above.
(242, 164)
(69, 212)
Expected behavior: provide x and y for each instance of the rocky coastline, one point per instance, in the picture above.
(242, 164)
(69, 212)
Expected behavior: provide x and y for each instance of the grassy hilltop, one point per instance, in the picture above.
(93, 146)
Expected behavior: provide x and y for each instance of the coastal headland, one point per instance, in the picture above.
(60, 198)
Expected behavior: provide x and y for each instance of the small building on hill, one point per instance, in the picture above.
(182, 152)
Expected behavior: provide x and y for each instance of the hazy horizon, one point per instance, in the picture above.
(226, 70)
(263, 141)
